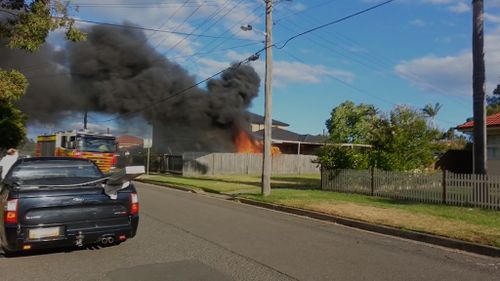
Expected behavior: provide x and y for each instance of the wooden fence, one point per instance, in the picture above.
(195, 163)
(440, 188)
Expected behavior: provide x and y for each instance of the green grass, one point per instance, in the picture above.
(470, 224)
(236, 184)
(305, 197)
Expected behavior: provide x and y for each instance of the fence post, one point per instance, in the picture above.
(443, 183)
(321, 177)
(372, 180)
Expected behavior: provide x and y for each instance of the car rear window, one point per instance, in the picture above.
(54, 172)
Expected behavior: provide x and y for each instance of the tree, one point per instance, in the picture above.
(431, 111)
(401, 140)
(350, 123)
(26, 25)
(404, 141)
(333, 157)
(12, 86)
(493, 102)
(12, 127)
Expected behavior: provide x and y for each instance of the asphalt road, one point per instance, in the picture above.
(184, 236)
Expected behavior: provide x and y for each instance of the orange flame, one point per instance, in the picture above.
(246, 144)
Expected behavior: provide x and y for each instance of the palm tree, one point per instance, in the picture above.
(431, 110)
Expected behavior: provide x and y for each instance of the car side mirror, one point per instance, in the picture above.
(121, 178)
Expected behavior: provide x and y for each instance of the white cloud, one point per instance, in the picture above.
(177, 15)
(460, 7)
(417, 22)
(452, 74)
(492, 18)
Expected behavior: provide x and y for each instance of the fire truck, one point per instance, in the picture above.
(100, 148)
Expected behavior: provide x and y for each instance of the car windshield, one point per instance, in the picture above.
(53, 172)
(104, 145)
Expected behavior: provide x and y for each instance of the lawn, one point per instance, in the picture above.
(236, 184)
(469, 224)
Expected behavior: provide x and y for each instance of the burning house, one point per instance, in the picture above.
(246, 140)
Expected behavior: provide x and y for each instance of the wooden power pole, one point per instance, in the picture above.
(478, 86)
(267, 155)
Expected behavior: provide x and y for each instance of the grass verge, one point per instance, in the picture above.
(468, 224)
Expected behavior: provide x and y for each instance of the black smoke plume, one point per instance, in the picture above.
(116, 71)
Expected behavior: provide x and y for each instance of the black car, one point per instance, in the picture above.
(57, 201)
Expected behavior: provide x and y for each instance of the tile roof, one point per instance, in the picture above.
(259, 119)
(491, 121)
(125, 139)
(285, 135)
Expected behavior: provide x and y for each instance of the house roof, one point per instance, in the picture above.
(491, 121)
(125, 139)
(259, 119)
(289, 136)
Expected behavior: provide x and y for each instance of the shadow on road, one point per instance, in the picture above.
(52, 251)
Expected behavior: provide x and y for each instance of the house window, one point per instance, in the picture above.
(494, 140)
(494, 147)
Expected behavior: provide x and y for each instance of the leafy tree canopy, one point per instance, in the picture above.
(12, 127)
(404, 141)
(12, 86)
(350, 123)
(493, 103)
(400, 140)
(27, 23)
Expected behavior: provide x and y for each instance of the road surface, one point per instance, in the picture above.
(184, 236)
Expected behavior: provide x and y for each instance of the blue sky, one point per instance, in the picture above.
(407, 52)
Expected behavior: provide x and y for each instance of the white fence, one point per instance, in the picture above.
(441, 188)
(196, 163)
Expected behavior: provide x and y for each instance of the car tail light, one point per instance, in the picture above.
(134, 203)
(11, 211)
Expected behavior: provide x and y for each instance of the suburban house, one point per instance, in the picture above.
(171, 140)
(257, 123)
(287, 141)
(493, 140)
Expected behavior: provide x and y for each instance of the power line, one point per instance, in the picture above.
(141, 4)
(172, 16)
(225, 31)
(334, 22)
(308, 9)
(185, 90)
(356, 88)
(147, 37)
(377, 64)
(160, 30)
(199, 26)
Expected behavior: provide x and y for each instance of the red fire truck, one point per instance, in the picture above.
(100, 148)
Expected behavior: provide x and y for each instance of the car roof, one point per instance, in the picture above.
(52, 158)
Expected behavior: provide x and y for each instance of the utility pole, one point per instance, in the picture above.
(478, 86)
(267, 156)
(85, 120)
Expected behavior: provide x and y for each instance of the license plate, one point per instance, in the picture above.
(46, 232)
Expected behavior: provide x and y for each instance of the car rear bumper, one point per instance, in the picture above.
(16, 237)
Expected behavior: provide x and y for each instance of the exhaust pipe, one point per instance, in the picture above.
(104, 240)
(111, 240)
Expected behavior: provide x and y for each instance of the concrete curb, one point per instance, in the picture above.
(387, 230)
